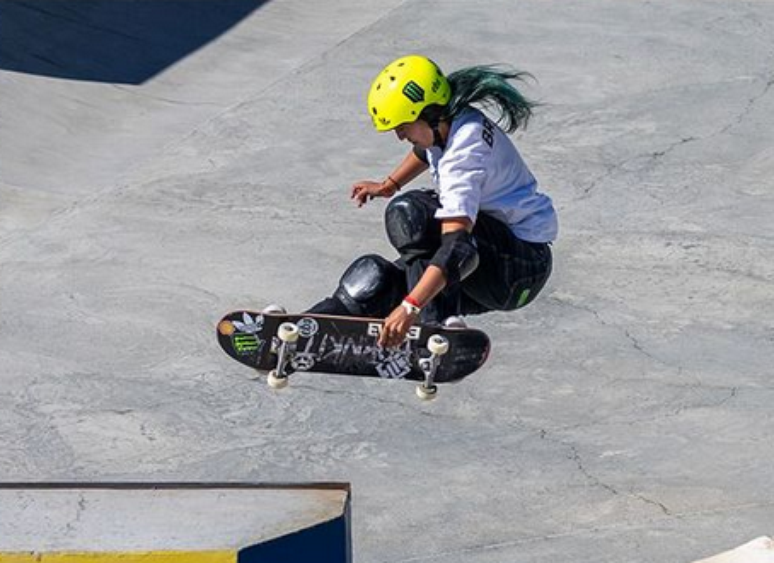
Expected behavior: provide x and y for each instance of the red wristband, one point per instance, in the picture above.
(394, 181)
(411, 301)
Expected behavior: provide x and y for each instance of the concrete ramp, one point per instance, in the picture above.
(760, 550)
(174, 523)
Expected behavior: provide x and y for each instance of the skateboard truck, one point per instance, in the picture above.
(438, 346)
(288, 336)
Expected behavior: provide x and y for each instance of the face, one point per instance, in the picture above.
(417, 133)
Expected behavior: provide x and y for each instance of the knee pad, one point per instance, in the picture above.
(411, 224)
(372, 286)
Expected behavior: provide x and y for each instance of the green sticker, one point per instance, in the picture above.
(245, 343)
(414, 92)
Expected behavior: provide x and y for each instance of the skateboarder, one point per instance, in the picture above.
(479, 241)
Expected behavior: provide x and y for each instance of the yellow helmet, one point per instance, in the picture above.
(403, 89)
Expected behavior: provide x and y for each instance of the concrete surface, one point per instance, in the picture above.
(626, 415)
(161, 518)
(759, 550)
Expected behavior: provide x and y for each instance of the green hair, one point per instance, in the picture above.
(488, 86)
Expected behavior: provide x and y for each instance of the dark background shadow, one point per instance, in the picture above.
(117, 41)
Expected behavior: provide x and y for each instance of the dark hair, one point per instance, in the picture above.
(488, 86)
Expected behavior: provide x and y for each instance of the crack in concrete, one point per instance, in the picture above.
(636, 344)
(594, 481)
(684, 141)
(80, 510)
(644, 524)
(751, 103)
(656, 155)
(661, 506)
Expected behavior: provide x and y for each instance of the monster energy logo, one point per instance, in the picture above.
(414, 92)
(245, 343)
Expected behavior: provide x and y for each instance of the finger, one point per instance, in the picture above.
(359, 190)
(393, 340)
(387, 339)
(383, 340)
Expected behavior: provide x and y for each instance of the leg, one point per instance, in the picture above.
(511, 271)
(411, 225)
(371, 287)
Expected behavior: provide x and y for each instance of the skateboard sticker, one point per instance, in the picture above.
(393, 364)
(243, 334)
(249, 325)
(226, 328)
(245, 344)
(375, 329)
(307, 327)
(303, 361)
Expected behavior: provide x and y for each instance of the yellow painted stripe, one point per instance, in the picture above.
(122, 557)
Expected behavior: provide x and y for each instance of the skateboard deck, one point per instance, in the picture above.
(348, 346)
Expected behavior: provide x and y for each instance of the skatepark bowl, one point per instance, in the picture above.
(163, 162)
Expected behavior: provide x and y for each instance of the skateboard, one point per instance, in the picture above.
(283, 344)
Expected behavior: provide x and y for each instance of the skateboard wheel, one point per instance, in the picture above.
(437, 345)
(275, 381)
(427, 393)
(287, 332)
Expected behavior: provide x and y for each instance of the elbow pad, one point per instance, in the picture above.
(457, 256)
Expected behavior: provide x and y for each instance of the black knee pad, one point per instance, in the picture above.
(372, 286)
(411, 224)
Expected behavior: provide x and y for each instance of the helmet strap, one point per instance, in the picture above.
(432, 116)
(437, 138)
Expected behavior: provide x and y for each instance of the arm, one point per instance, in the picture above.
(432, 282)
(434, 279)
(405, 172)
(408, 169)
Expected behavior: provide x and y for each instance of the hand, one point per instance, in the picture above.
(396, 327)
(365, 191)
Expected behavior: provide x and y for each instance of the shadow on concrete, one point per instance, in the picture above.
(117, 41)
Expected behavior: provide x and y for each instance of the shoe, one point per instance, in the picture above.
(454, 322)
(274, 309)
